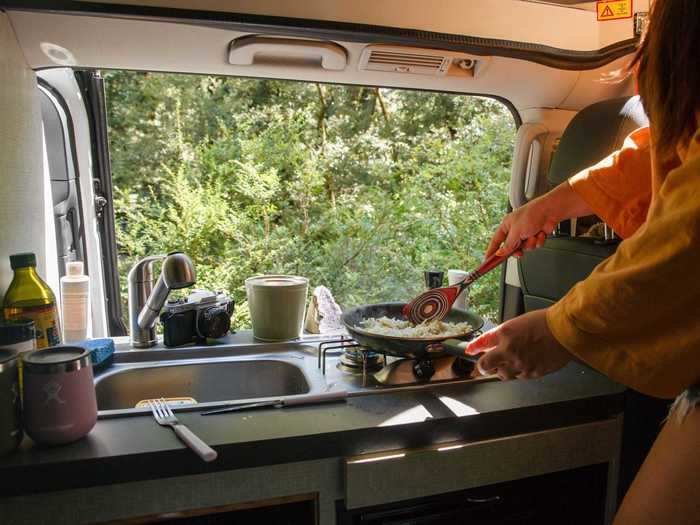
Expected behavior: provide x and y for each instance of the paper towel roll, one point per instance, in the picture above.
(453, 277)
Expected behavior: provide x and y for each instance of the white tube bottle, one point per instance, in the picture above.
(75, 295)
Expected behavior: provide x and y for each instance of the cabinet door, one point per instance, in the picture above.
(574, 497)
(299, 509)
(406, 474)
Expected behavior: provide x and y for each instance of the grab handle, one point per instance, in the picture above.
(528, 134)
(283, 51)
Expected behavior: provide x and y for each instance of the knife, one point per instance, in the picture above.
(326, 397)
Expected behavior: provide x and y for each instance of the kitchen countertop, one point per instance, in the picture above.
(134, 448)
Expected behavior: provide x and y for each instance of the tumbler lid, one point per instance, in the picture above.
(277, 282)
(16, 331)
(56, 359)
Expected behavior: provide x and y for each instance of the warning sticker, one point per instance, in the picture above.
(613, 10)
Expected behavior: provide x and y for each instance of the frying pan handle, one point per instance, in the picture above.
(456, 348)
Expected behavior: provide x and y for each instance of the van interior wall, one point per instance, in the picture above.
(24, 198)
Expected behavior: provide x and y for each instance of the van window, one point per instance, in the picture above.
(359, 189)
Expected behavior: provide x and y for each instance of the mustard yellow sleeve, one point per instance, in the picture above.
(618, 188)
(636, 318)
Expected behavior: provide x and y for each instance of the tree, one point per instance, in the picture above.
(359, 189)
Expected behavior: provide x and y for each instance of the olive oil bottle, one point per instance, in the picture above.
(29, 297)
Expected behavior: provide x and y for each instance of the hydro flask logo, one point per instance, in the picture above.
(53, 391)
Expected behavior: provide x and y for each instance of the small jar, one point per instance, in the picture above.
(10, 427)
(59, 395)
(20, 335)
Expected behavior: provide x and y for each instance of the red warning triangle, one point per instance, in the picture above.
(607, 12)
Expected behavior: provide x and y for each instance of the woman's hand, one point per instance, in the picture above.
(532, 222)
(521, 348)
(524, 224)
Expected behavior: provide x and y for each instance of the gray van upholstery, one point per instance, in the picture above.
(594, 133)
(548, 274)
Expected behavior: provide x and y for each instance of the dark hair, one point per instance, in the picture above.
(668, 72)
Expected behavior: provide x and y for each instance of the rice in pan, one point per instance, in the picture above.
(402, 328)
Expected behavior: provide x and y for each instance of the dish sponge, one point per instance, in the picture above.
(101, 351)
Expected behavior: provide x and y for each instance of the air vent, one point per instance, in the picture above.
(405, 60)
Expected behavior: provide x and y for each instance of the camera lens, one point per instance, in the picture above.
(213, 322)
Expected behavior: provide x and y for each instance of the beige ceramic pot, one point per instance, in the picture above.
(277, 304)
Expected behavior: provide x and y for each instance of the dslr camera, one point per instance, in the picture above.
(201, 315)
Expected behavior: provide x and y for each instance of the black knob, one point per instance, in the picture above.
(423, 369)
(463, 367)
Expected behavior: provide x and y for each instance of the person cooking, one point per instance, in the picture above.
(635, 318)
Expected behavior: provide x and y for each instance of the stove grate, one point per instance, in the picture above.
(353, 354)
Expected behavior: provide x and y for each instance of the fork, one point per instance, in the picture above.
(164, 416)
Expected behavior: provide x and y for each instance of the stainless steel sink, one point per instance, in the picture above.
(237, 370)
(205, 381)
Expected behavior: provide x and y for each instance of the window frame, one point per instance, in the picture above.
(92, 88)
(73, 198)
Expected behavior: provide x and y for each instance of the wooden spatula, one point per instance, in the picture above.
(436, 303)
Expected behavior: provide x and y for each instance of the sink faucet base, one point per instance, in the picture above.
(146, 301)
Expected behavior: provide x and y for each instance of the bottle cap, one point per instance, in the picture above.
(16, 331)
(22, 260)
(74, 268)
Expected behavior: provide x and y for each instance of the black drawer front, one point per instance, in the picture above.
(575, 497)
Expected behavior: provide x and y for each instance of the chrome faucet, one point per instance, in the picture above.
(145, 301)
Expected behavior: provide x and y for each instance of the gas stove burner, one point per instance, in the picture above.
(358, 361)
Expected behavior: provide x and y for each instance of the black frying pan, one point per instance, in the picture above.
(410, 347)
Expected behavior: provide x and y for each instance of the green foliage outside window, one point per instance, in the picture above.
(359, 189)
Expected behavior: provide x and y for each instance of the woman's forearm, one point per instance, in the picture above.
(563, 202)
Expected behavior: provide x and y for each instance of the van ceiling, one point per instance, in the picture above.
(552, 24)
(55, 38)
(573, 4)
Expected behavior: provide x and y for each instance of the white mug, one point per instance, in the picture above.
(453, 277)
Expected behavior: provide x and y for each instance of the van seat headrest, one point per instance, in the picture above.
(594, 133)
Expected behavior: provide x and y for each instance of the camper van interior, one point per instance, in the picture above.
(212, 214)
